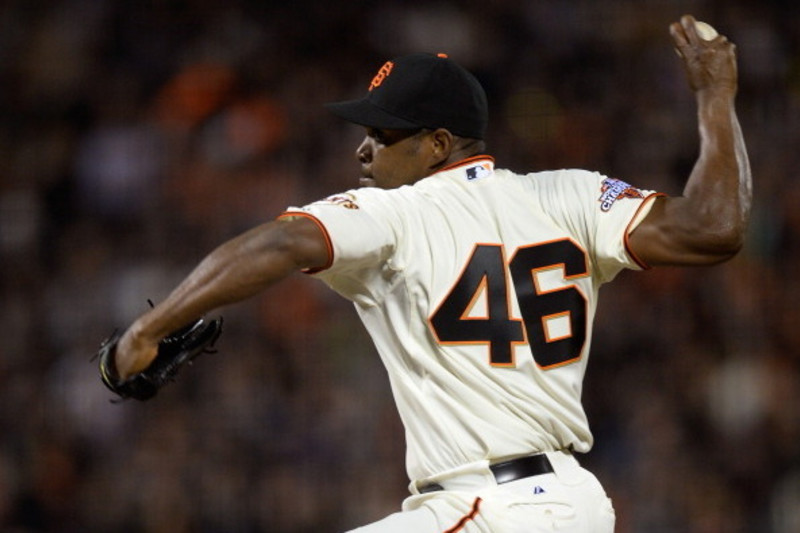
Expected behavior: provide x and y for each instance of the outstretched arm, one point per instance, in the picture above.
(238, 269)
(705, 225)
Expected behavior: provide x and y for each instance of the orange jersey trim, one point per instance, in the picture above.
(467, 518)
(328, 242)
(467, 161)
(628, 230)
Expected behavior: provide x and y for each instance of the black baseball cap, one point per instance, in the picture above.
(420, 91)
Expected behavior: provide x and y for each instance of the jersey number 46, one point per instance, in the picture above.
(554, 321)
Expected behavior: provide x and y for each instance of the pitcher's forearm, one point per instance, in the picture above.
(719, 188)
(235, 271)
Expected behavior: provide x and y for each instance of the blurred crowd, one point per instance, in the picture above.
(137, 135)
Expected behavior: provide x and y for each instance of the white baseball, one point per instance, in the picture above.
(704, 30)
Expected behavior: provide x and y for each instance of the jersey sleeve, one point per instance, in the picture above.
(362, 229)
(601, 212)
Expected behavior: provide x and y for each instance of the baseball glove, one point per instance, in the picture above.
(177, 349)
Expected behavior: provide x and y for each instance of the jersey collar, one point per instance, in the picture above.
(472, 168)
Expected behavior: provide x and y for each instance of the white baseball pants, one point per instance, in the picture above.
(569, 500)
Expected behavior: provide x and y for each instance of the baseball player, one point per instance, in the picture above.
(478, 286)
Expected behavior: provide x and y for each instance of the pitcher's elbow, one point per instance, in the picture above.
(727, 244)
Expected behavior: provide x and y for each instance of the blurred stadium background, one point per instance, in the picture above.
(136, 135)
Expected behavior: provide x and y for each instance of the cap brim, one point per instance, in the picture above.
(365, 113)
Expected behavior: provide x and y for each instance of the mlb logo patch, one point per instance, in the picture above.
(478, 171)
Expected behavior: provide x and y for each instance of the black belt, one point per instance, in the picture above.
(508, 471)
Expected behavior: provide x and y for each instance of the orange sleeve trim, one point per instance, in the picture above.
(467, 518)
(635, 221)
(288, 215)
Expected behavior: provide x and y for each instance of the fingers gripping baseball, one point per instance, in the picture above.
(709, 59)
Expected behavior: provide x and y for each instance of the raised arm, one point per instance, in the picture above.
(705, 225)
(238, 269)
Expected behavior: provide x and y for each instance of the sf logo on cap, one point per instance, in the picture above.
(381, 75)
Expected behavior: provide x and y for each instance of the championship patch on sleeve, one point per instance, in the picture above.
(613, 189)
(346, 200)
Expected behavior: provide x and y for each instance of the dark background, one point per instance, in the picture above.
(137, 135)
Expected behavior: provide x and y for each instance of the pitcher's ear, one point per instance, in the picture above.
(442, 143)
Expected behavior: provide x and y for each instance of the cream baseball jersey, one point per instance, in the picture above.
(478, 287)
